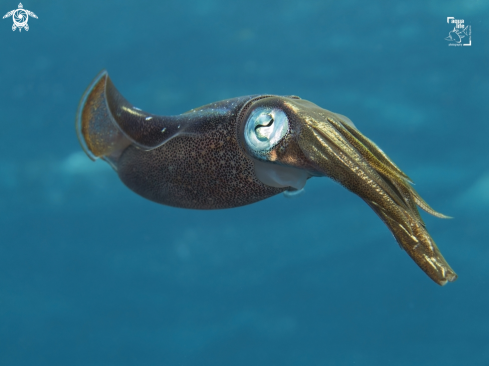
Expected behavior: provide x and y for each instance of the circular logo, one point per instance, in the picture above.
(20, 18)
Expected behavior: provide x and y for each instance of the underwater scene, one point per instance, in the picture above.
(288, 218)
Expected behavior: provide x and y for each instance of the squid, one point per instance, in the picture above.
(242, 150)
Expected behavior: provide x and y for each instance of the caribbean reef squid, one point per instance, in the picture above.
(242, 150)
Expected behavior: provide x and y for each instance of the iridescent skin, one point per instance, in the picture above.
(202, 160)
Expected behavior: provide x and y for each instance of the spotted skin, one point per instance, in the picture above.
(203, 170)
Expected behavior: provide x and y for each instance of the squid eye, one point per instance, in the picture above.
(265, 128)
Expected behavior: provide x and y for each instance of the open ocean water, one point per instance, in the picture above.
(92, 274)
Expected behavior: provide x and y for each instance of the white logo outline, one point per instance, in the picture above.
(460, 31)
(20, 17)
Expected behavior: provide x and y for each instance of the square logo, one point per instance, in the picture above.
(460, 35)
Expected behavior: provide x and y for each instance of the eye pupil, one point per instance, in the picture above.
(262, 128)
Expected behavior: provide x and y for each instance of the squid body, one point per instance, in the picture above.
(242, 150)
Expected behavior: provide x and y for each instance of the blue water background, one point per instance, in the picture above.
(92, 274)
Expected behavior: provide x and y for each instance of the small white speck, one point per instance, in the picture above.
(163, 130)
(136, 108)
(178, 126)
(148, 118)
